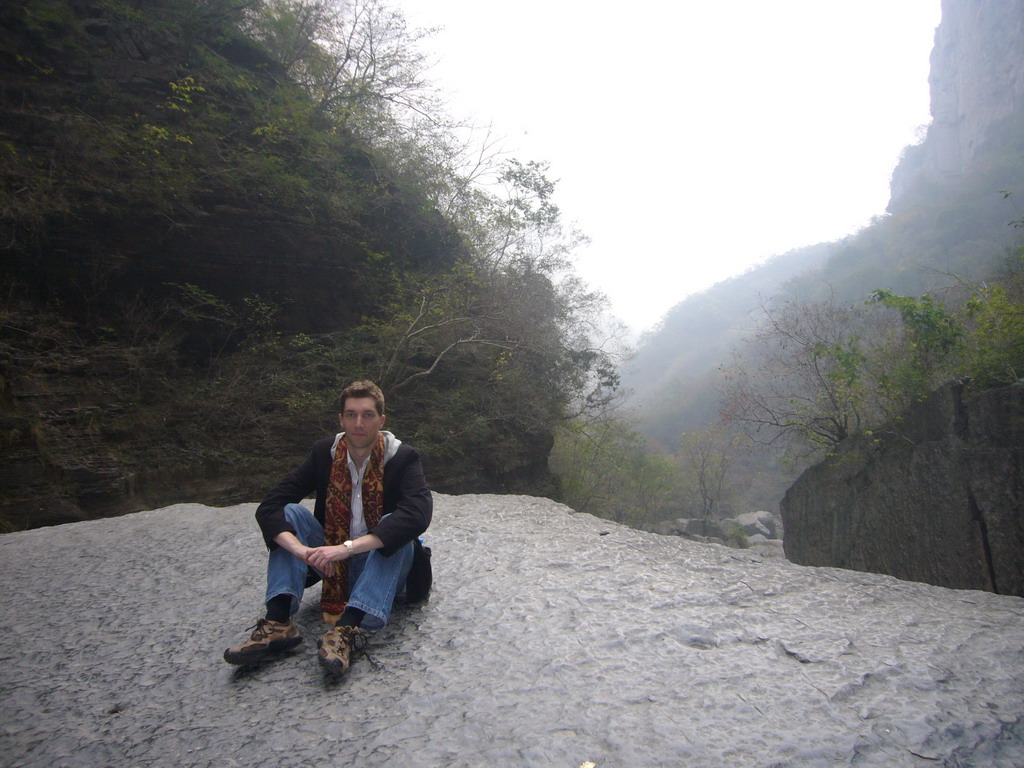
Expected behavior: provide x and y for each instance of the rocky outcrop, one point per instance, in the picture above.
(938, 497)
(749, 523)
(761, 523)
(760, 531)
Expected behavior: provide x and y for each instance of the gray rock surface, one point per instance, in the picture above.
(938, 497)
(552, 638)
(763, 523)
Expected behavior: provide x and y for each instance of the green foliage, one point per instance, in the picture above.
(942, 237)
(932, 332)
(804, 378)
(182, 93)
(605, 470)
(530, 203)
(503, 350)
(358, 62)
(737, 537)
(705, 458)
(243, 206)
(995, 342)
(821, 373)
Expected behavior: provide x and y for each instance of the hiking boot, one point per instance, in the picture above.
(337, 647)
(268, 638)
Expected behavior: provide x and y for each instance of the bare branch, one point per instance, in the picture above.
(445, 351)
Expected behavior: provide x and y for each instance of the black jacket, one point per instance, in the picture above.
(407, 500)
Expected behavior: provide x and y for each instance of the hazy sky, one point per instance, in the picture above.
(691, 140)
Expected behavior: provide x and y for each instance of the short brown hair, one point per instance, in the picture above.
(363, 389)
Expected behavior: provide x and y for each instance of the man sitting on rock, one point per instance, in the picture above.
(372, 504)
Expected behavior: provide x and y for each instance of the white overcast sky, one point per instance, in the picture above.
(692, 140)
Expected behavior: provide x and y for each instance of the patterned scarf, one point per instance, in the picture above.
(339, 516)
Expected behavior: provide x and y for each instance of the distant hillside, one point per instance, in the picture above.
(947, 222)
(675, 362)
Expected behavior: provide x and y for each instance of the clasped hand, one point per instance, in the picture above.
(322, 557)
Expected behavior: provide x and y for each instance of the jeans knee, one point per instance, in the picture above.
(307, 528)
(294, 512)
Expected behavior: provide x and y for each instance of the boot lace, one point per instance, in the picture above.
(356, 640)
(261, 630)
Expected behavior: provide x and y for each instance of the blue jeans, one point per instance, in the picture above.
(373, 579)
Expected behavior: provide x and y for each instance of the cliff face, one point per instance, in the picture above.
(199, 246)
(937, 498)
(977, 94)
(143, 223)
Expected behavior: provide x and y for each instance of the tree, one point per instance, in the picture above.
(512, 303)
(278, 202)
(357, 60)
(804, 377)
(931, 332)
(994, 339)
(605, 470)
(819, 373)
(706, 456)
(427, 323)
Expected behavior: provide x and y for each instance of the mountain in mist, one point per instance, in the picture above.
(947, 222)
(676, 362)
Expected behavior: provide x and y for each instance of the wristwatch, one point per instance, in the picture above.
(348, 547)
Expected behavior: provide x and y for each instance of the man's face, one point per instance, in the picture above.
(361, 422)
